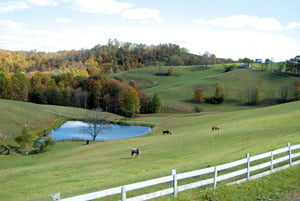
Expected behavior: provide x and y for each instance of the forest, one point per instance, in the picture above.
(79, 78)
(96, 91)
(110, 58)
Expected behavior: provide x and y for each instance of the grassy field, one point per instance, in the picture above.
(73, 168)
(177, 91)
(15, 115)
(273, 187)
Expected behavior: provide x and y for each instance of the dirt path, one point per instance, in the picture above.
(60, 114)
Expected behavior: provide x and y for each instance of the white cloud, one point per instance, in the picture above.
(10, 26)
(43, 2)
(100, 6)
(224, 43)
(142, 13)
(244, 21)
(62, 20)
(12, 6)
(239, 44)
(201, 22)
(293, 25)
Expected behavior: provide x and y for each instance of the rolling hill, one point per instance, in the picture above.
(176, 91)
(73, 168)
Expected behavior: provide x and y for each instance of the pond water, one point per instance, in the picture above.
(71, 130)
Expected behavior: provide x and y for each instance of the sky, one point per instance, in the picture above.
(227, 28)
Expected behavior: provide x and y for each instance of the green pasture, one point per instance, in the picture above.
(282, 186)
(177, 91)
(73, 168)
(38, 118)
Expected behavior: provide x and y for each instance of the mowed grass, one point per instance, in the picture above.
(73, 168)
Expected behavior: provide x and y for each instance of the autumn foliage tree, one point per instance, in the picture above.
(199, 95)
(218, 98)
(107, 58)
(129, 102)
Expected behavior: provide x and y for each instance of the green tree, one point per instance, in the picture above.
(175, 60)
(199, 95)
(297, 90)
(6, 88)
(284, 92)
(219, 95)
(129, 101)
(24, 139)
(254, 95)
(258, 96)
(47, 142)
(171, 70)
(155, 104)
(37, 94)
(20, 86)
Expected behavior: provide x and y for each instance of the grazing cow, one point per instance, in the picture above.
(168, 132)
(215, 128)
(135, 152)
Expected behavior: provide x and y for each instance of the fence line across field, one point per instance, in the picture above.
(248, 172)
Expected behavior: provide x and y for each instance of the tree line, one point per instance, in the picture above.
(77, 90)
(253, 95)
(293, 67)
(110, 58)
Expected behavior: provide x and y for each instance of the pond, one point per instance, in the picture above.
(72, 130)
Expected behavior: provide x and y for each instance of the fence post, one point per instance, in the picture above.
(215, 177)
(55, 197)
(272, 158)
(174, 182)
(290, 154)
(123, 193)
(248, 166)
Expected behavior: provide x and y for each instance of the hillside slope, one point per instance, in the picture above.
(16, 114)
(177, 91)
(73, 168)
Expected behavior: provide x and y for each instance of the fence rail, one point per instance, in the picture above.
(216, 174)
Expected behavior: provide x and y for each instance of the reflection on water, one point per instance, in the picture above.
(75, 130)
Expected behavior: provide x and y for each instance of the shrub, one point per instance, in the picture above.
(228, 68)
(198, 109)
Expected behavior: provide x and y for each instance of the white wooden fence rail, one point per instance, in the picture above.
(215, 175)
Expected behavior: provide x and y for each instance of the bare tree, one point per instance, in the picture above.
(97, 122)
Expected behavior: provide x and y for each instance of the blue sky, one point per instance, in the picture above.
(228, 28)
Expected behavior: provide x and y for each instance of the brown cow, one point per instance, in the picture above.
(215, 128)
(168, 132)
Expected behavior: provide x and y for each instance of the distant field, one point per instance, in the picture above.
(176, 91)
(72, 167)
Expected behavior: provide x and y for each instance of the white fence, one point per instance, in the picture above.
(251, 167)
